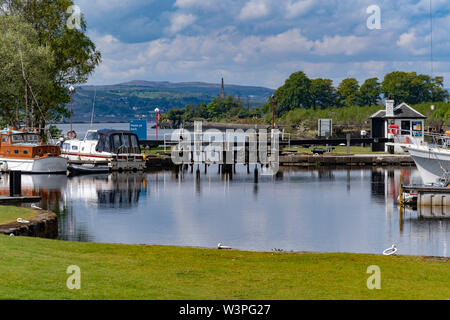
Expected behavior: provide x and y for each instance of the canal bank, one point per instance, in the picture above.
(19, 221)
(112, 271)
(163, 160)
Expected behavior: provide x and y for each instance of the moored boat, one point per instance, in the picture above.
(116, 149)
(432, 160)
(24, 151)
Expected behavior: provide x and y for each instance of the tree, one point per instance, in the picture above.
(412, 88)
(322, 92)
(20, 47)
(295, 93)
(176, 116)
(370, 92)
(348, 92)
(74, 53)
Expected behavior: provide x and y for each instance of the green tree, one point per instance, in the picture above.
(370, 92)
(295, 93)
(19, 47)
(74, 53)
(176, 116)
(412, 88)
(322, 92)
(348, 92)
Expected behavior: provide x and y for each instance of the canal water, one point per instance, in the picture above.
(320, 210)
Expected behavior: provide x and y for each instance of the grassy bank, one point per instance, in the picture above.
(336, 150)
(36, 269)
(10, 214)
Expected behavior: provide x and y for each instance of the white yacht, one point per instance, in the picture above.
(110, 149)
(432, 160)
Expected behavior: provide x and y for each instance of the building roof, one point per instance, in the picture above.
(402, 111)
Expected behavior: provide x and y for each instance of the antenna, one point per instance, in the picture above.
(431, 38)
(93, 108)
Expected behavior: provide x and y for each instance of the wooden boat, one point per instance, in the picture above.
(25, 151)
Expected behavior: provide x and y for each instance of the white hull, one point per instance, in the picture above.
(128, 163)
(38, 166)
(432, 163)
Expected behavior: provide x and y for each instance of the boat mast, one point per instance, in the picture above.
(26, 87)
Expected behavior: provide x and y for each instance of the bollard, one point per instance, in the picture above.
(15, 183)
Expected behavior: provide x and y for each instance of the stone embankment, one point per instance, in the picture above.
(44, 225)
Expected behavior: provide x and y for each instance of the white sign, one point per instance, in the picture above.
(325, 127)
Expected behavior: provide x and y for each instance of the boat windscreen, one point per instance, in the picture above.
(92, 136)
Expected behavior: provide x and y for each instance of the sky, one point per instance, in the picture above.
(262, 42)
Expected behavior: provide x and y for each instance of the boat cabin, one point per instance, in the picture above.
(20, 144)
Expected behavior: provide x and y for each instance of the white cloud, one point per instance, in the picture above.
(295, 9)
(254, 9)
(180, 21)
(348, 45)
(410, 42)
(190, 4)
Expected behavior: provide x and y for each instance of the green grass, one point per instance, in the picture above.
(36, 269)
(337, 150)
(10, 214)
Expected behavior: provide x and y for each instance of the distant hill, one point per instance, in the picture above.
(139, 98)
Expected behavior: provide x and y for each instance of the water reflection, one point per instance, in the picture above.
(352, 210)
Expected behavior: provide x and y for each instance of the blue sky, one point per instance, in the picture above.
(261, 42)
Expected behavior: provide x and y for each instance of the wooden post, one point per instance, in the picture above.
(348, 143)
(15, 183)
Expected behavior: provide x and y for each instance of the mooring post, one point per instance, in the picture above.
(348, 142)
(15, 183)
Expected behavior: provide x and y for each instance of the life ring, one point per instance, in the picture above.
(394, 130)
(71, 135)
(390, 251)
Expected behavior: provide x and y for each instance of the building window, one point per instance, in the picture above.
(406, 128)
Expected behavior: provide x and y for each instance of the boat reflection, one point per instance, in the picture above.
(115, 190)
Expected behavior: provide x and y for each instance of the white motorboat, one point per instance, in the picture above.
(432, 159)
(118, 149)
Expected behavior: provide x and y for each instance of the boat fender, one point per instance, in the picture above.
(390, 251)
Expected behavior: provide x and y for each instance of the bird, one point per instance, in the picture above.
(390, 251)
(35, 207)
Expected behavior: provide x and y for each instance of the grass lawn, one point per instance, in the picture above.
(10, 214)
(337, 150)
(36, 269)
